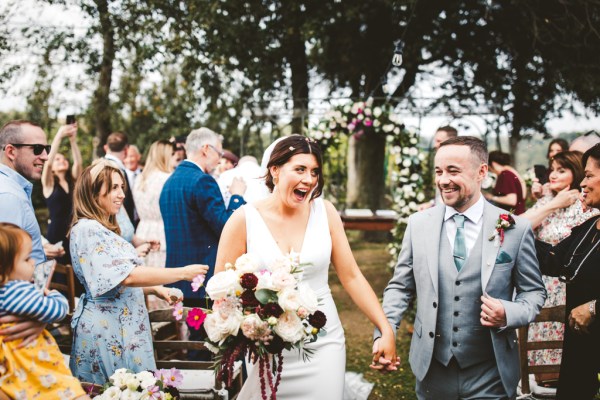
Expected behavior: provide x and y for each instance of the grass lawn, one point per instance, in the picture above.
(373, 259)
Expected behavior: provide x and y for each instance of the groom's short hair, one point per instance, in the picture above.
(477, 146)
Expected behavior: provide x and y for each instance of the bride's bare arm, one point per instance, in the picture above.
(232, 243)
(358, 287)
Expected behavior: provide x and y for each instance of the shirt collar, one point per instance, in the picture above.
(195, 163)
(116, 160)
(18, 178)
(473, 213)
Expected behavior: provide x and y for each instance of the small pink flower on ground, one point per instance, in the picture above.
(196, 318)
(178, 311)
(197, 282)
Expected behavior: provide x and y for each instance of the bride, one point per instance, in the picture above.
(295, 218)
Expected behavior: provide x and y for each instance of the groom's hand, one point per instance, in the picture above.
(381, 363)
(492, 314)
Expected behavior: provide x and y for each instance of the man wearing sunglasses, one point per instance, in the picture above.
(24, 151)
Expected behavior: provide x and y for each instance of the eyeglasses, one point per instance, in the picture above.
(220, 153)
(37, 148)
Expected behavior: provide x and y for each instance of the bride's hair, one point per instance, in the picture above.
(289, 147)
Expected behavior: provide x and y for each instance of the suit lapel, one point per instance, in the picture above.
(490, 250)
(431, 240)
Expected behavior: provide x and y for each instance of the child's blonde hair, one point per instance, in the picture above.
(12, 239)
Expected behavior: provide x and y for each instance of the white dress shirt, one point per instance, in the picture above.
(473, 223)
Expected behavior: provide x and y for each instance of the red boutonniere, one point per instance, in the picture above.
(504, 222)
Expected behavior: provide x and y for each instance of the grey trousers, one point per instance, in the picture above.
(480, 381)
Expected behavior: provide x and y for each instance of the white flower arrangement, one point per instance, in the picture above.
(125, 384)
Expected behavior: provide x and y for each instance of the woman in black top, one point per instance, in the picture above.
(57, 183)
(576, 260)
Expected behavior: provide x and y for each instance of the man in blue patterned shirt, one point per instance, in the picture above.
(24, 150)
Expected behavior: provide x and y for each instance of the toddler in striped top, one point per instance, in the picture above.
(36, 370)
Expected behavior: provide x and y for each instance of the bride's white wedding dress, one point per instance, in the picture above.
(323, 376)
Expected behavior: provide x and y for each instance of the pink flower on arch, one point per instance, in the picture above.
(196, 318)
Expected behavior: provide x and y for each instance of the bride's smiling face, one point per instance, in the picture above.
(296, 179)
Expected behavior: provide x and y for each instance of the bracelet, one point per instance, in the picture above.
(592, 308)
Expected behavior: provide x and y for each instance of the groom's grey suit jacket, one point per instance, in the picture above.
(513, 277)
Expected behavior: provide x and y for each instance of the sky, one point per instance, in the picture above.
(75, 101)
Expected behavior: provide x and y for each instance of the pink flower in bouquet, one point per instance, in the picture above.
(169, 377)
(195, 318)
(178, 311)
(254, 328)
(289, 327)
(197, 282)
(154, 393)
(283, 280)
(368, 122)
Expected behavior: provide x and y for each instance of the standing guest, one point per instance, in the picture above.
(510, 190)
(227, 162)
(24, 152)
(41, 364)
(111, 329)
(193, 210)
(133, 168)
(556, 146)
(57, 186)
(146, 193)
(252, 174)
(585, 142)
(575, 261)
(116, 148)
(180, 155)
(473, 293)
(553, 217)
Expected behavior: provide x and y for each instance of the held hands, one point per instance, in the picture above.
(580, 318)
(193, 270)
(238, 186)
(25, 329)
(384, 354)
(492, 314)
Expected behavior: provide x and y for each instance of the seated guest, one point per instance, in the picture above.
(553, 217)
(111, 329)
(57, 186)
(510, 190)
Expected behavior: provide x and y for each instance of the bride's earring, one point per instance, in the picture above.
(275, 181)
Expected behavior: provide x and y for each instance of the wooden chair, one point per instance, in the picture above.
(550, 314)
(170, 353)
(68, 287)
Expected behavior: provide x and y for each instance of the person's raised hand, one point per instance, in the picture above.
(51, 251)
(492, 314)
(238, 186)
(193, 270)
(537, 190)
(565, 198)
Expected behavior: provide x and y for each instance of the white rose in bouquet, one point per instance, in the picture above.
(130, 395)
(265, 280)
(132, 383)
(289, 300)
(289, 327)
(282, 280)
(282, 264)
(119, 378)
(146, 379)
(255, 328)
(246, 263)
(112, 393)
(219, 327)
(223, 284)
(308, 298)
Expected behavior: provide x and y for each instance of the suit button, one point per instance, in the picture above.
(456, 298)
(236, 200)
(457, 283)
(454, 344)
(456, 313)
(455, 329)
(431, 334)
(434, 304)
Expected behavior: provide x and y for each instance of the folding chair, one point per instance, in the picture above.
(68, 287)
(550, 314)
(199, 378)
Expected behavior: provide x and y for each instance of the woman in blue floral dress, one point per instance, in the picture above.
(111, 329)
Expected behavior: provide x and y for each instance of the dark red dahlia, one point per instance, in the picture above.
(249, 281)
(249, 299)
(276, 345)
(318, 319)
(270, 310)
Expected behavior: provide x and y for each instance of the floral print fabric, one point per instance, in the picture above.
(111, 329)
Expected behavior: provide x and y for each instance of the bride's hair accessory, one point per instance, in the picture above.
(292, 148)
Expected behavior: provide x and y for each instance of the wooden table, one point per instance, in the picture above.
(372, 223)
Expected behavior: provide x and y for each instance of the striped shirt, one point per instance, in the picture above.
(21, 298)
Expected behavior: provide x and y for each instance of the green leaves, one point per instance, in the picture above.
(265, 296)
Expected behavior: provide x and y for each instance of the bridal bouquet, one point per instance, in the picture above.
(145, 385)
(258, 311)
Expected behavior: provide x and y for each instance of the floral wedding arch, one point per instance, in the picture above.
(365, 118)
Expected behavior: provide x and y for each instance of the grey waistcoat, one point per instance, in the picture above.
(459, 332)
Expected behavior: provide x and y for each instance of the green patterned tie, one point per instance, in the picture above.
(460, 250)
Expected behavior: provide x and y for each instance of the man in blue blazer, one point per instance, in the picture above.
(193, 209)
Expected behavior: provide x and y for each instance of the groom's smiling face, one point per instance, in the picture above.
(458, 176)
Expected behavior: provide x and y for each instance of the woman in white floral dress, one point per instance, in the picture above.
(111, 329)
(558, 210)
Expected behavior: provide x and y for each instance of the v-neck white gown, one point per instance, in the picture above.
(323, 376)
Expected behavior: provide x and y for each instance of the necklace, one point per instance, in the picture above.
(564, 277)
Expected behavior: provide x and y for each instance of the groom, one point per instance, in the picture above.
(474, 289)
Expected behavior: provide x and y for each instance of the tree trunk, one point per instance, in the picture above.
(298, 61)
(366, 184)
(101, 99)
